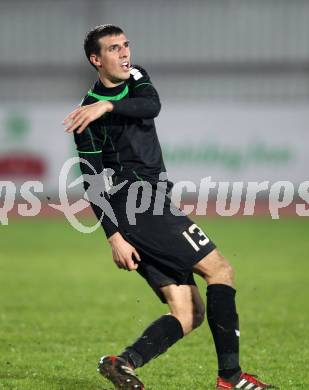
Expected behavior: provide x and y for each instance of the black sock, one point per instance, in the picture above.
(155, 340)
(223, 322)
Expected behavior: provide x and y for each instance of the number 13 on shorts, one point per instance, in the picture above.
(192, 230)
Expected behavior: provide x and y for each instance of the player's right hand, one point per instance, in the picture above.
(124, 254)
(80, 118)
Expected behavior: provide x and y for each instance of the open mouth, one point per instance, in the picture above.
(125, 66)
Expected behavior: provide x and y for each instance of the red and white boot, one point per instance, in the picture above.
(244, 381)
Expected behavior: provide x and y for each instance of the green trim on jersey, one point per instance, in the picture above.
(120, 95)
(137, 176)
(138, 85)
(98, 151)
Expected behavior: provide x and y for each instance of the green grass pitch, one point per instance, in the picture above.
(63, 304)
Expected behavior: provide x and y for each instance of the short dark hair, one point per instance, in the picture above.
(91, 42)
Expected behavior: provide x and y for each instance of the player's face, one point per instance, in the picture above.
(115, 57)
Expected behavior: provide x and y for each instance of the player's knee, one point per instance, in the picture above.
(223, 273)
(226, 269)
(214, 268)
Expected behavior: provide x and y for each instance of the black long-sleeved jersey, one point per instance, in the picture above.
(124, 139)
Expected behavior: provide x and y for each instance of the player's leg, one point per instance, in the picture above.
(186, 304)
(221, 310)
(215, 269)
(187, 312)
(223, 322)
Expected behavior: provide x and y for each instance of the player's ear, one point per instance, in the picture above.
(95, 60)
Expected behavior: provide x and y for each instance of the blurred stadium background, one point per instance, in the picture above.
(236, 71)
(236, 74)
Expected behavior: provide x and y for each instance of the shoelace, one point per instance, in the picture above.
(128, 370)
(253, 378)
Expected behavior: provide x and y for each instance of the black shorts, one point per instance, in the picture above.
(169, 245)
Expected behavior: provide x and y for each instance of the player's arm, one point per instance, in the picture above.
(143, 103)
(91, 166)
(123, 252)
(80, 118)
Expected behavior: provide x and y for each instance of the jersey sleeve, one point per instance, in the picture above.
(143, 101)
(89, 147)
(91, 166)
(139, 78)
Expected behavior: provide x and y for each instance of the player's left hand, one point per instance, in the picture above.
(125, 255)
(80, 118)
